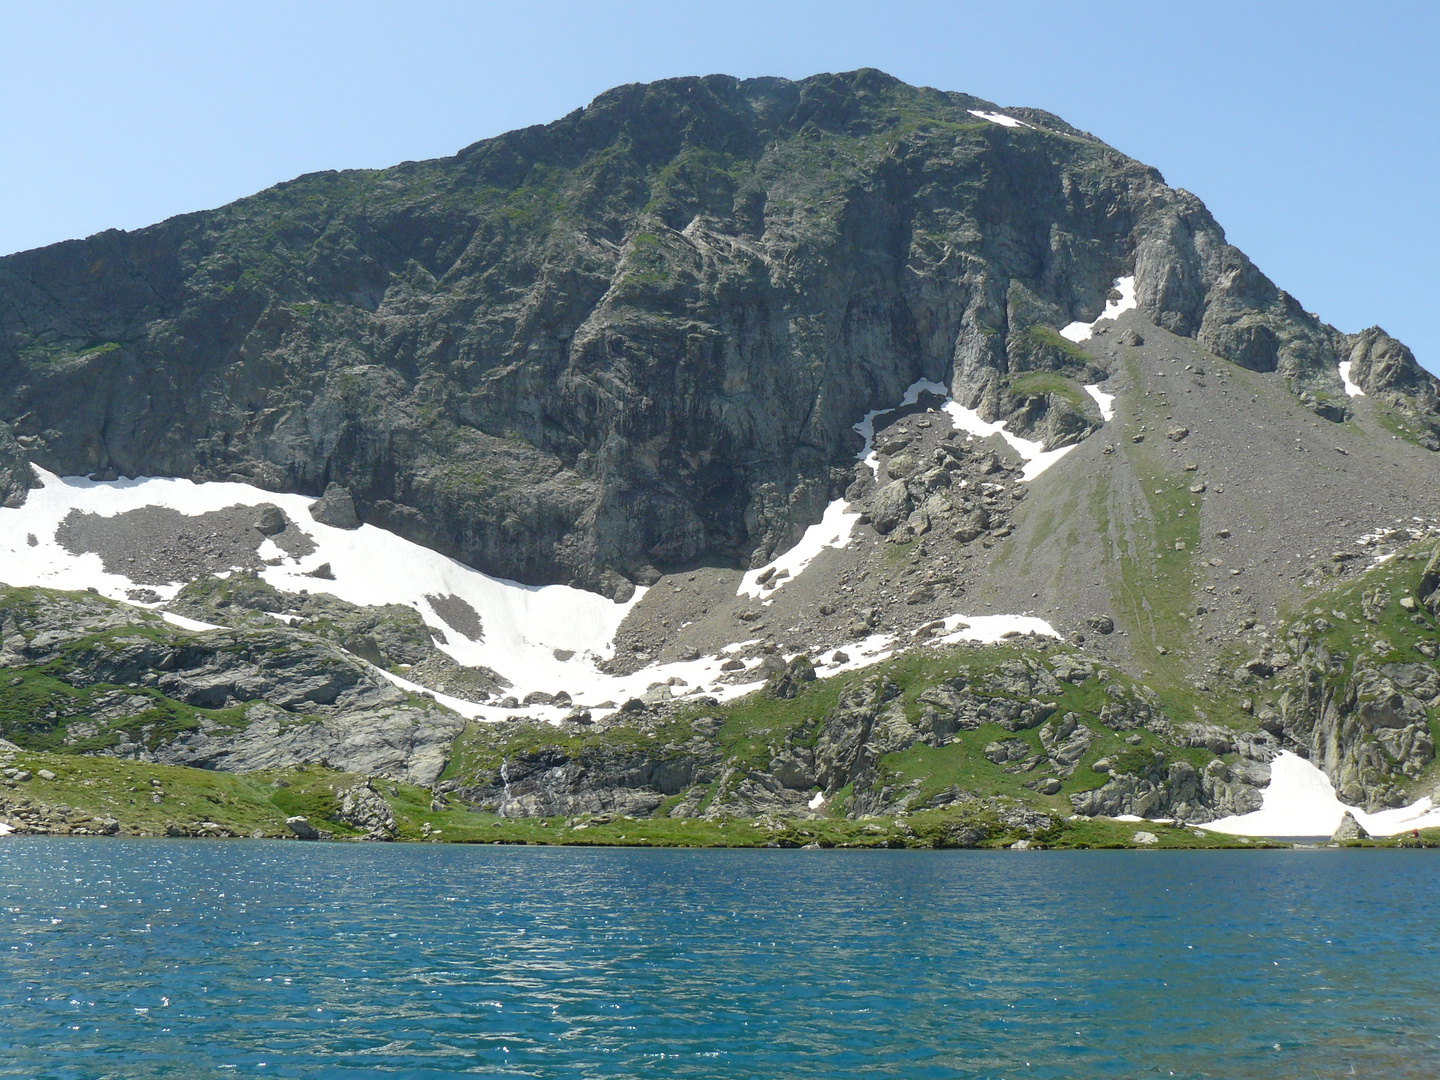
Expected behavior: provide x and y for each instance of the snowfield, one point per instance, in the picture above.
(522, 625)
(524, 628)
(1301, 801)
(836, 526)
(1105, 401)
(833, 530)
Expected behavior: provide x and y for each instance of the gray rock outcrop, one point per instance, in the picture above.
(302, 828)
(235, 700)
(16, 476)
(364, 807)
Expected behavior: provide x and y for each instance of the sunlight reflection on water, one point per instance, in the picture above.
(158, 958)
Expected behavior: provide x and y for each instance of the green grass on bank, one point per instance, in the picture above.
(95, 787)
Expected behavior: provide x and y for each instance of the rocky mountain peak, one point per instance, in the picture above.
(637, 336)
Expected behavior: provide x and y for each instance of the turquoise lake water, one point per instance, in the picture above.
(132, 958)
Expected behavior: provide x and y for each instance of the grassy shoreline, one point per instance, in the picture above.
(91, 796)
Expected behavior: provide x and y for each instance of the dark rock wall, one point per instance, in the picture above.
(16, 476)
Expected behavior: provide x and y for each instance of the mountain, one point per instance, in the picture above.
(710, 383)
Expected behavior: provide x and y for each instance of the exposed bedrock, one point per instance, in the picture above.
(636, 337)
(234, 700)
(849, 750)
(1368, 729)
(16, 476)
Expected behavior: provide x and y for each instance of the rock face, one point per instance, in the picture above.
(596, 780)
(847, 749)
(302, 828)
(363, 807)
(16, 477)
(234, 700)
(639, 335)
(1177, 790)
(1368, 731)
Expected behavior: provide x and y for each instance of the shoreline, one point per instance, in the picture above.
(49, 794)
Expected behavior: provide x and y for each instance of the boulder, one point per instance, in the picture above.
(1004, 751)
(364, 807)
(787, 683)
(271, 520)
(890, 506)
(1429, 587)
(302, 828)
(901, 467)
(1349, 829)
(335, 508)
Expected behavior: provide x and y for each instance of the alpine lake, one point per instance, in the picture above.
(194, 958)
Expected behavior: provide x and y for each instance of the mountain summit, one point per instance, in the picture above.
(711, 384)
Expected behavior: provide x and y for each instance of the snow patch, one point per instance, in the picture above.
(1037, 458)
(1104, 400)
(988, 629)
(5, 830)
(1301, 801)
(817, 802)
(982, 629)
(866, 428)
(1352, 389)
(523, 625)
(1079, 331)
(836, 526)
(187, 624)
(998, 118)
(833, 530)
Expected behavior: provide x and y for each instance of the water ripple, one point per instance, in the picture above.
(162, 958)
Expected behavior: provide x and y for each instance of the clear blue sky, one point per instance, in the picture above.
(1312, 130)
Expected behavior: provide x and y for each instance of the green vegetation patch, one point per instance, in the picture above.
(1046, 383)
